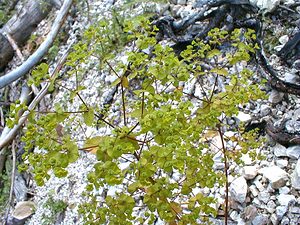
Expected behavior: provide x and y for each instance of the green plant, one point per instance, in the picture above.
(56, 207)
(4, 191)
(5, 12)
(165, 135)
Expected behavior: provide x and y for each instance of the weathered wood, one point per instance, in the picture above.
(20, 27)
(32, 60)
(281, 136)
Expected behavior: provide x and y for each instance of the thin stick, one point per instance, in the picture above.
(14, 45)
(226, 175)
(123, 103)
(143, 104)
(132, 129)
(214, 87)
(12, 179)
(13, 173)
(115, 72)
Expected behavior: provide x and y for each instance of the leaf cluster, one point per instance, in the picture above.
(160, 151)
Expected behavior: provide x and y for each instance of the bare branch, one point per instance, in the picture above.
(10, 134)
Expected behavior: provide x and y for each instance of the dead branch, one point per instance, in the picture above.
(10, 134)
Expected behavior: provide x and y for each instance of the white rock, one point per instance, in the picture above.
(295, 210)
(289, 2)
(176, 10)
(218, 161)
(249, 213)
(293, 152)
(267, 5)
(256, 202)
(296, 64)
(260, 220)
(284, 190)
(187, 10)
(274, 219)
(285, 199)
(285, 221)
(234, 215)
(284, 39)
(264, 196)
(291, 77)
(281, 211)
(278, 48)
(243, 117)
(181, 2)
(271, 206)
(253, 190)
(249, 172)
(246, 159)
(276, 176)
(296, 176)
(238, 189)
(275, 97)
(259, 185)
(279, 150)
(265, 110)
(282, 163)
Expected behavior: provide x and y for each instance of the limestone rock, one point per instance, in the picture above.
(296, 176)
(238, 189)
(282, 163)
(279, 150)
(249, 172)
(284, 190)
(260, 220)
(281, 211)
(249, 213)
(259, 185)
(253, 190)
(275, 97)
(283, 39)
(293, 152)
(265, 110)
(267, 5)
(243, 117)
(276, 176)
(285, 199)
(264, 196)
(285, 221)
(291, 77)
(181, 2)
(24, 210)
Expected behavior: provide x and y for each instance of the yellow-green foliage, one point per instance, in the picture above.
(159, 136)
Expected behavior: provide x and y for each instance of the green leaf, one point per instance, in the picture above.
(116, 82)
(133, 187)
(125, 82)
(212, 53)
(89, 117)
(91, 142)
(220, 71)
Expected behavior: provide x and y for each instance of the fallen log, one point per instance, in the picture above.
(41, 51)
(20, 27)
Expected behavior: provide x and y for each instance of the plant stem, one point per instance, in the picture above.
(123, 103)
(226, 175)
(143, 104)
